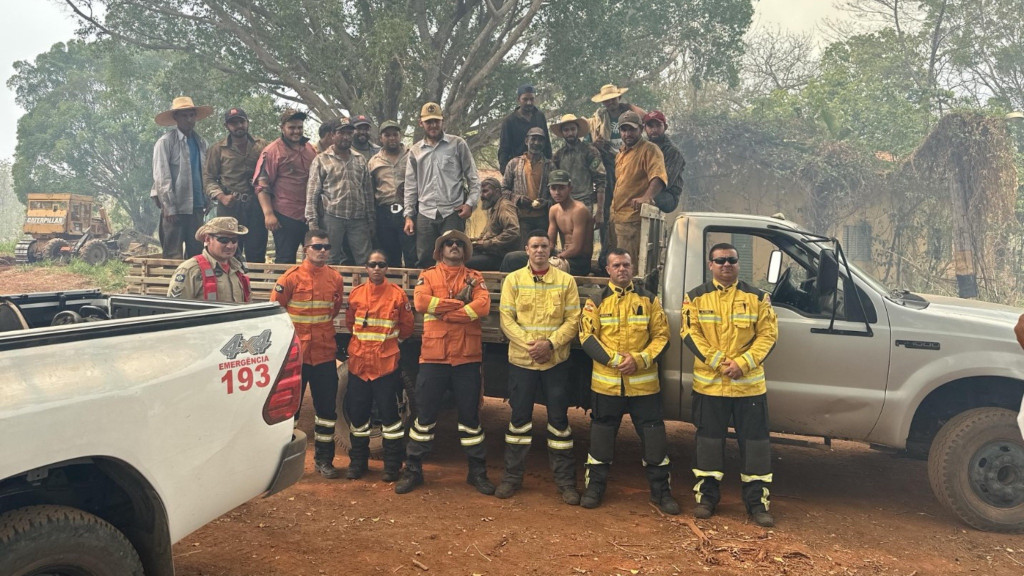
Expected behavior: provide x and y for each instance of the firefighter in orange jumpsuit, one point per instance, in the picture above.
(378, 316)
(312, 293)
(452, 299)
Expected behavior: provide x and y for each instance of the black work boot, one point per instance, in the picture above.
(477, 477)
(762, 517)
(704, 510)
(661, 492)
(563, 468)
(327, 470)
(359, 456)
(411, 478)
(394, 450)
(515, 469)
(597, 479)
(356, 470)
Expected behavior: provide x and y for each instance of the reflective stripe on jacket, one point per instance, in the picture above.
(312, 295)
(539, 308)
(736, 322)
(377, 317)
(624, 321)
(451, 328)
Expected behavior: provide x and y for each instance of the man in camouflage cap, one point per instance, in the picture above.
(215, 275)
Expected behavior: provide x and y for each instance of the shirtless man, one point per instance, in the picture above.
(571, 220)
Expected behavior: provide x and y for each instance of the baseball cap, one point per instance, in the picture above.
(360, 120)
(524, 89)
(559, 177)
(292, 114)
(431, 111)
(344, 124)
(233, 113)
(390, 124)
(536, 132)
(655, 115)
(629, 117)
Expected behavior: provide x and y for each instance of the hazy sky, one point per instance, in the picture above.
(41, 23)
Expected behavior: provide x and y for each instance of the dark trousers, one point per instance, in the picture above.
(523, 385)
(323, 387)
(287, 238)
(253, 246)
(514, 261)
(749, 416)
(428, 230)
(360, 397)
(432, 382)
(606, 416)
(399, 247)
(485, 262)
(528, 224)
(178, 240)
(350, 240)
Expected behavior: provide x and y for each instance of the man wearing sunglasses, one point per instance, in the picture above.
(731, 328)
(312, 293)
(215, 274)
(452, 299)
(378, 316)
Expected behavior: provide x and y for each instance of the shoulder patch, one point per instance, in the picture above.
(589, 306)
(179, 277)
(419, 282)
(278, 288)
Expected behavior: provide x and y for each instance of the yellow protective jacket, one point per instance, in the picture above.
(735, 322)
(537, 308)
(624, 321)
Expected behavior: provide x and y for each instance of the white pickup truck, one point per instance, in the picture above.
(856, 360)
(127, 422)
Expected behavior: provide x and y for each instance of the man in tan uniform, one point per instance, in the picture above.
(216, 274)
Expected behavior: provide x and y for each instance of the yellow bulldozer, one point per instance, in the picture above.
(62, 226)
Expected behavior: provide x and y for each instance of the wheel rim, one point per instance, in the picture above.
(997, 474)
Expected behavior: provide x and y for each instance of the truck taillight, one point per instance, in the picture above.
(286, 395)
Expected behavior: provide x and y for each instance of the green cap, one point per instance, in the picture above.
(559, 177)
(389, 124)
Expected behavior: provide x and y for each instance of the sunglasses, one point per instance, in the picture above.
(721, 261)
(227, 239)
(450, 243)
(320, 246)
(376, 264)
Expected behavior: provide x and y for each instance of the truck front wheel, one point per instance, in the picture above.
(976, 469)
(62, 541)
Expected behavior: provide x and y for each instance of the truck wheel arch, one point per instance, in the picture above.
(107, 488)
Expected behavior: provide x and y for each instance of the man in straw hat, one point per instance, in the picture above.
(452, 299)
(583, 163)
(227, 179)
(435, 200)
(512, 139)
(215, 274)
(178, 178)
(280, 178)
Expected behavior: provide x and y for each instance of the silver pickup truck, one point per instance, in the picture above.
(857, 360)
(127, 422)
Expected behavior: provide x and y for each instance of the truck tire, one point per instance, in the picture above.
(95, 253)
(54, 249)
(341, 428)
(62, 541)
(976, 469)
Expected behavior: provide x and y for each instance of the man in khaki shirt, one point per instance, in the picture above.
(214, 275)
(387, 172)
(639, 176)
(227, 180)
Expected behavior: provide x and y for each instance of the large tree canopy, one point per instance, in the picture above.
(89, 125)
(387, 57)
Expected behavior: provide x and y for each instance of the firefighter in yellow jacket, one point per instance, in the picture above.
(540, 311)
(731, 328)
(623, 331)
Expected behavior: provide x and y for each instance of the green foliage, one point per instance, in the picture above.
(110, 277)
(89, 125)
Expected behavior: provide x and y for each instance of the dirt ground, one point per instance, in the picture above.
(843, 509)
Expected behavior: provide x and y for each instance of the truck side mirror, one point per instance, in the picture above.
(774, 266)
(828, 272)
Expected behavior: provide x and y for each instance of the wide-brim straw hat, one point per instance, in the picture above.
(448, 236)
(221, 225)
(584, 126)
(166, 118)
(608, 91)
